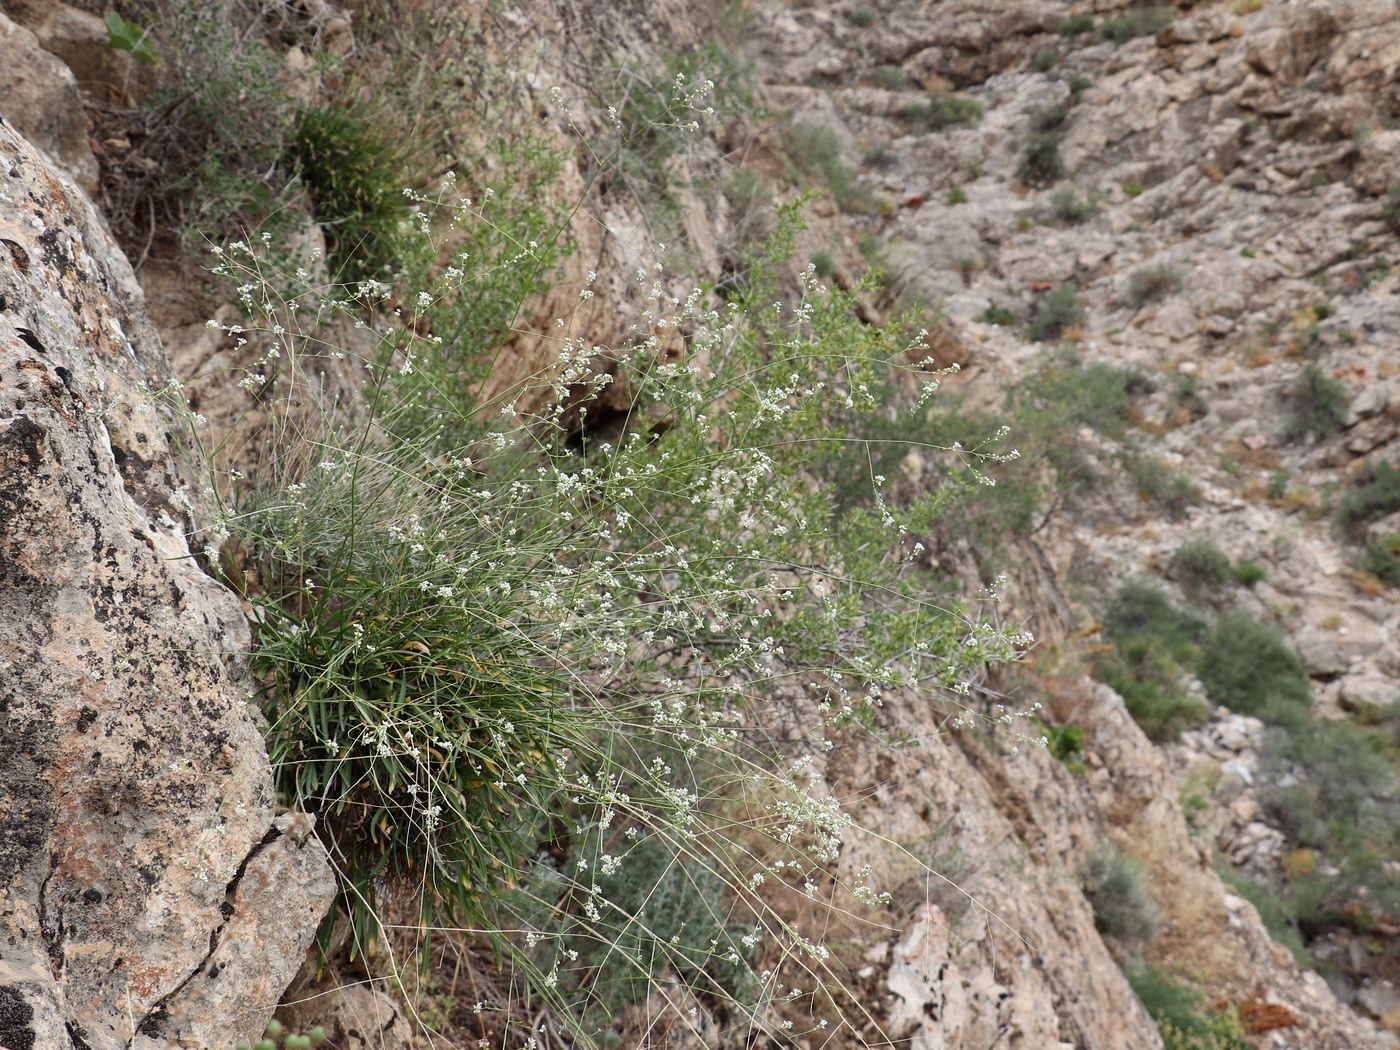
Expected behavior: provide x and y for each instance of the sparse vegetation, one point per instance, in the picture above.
(1248, 573)
(1070, 208)
(1155, 647)
(1382, 559)
(1056, 312)
(1201, 567)
(1151, 284)
(1158, 483)
(956, 195)
(1374, 495)
(1117, 890)
(1133, 188)
(998, 315)
(944, 111)
(891, 78)
(1136, 22)
(1249, 668)
(816, 151)
(1045, 61)
(1077, 25)
(1317, 405)
(1182, 1022)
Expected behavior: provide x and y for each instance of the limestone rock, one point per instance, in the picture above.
(40, 98)
(146, 893)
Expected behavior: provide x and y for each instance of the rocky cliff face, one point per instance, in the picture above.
(1243, 151)
(151, 895)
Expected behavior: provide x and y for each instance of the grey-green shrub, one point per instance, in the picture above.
(1137, 22)
(1117, 890)
(1250, 668)
(1317, 405)
(1056, 311)
(1201, 567)
(1151, 284)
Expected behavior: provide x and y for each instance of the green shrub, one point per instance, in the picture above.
(1248, 573)
(1274, 910)
(1390, 210)
(945, 111)
(1318, 405)
(1249, 668)
(1137, 22)
(1155, 647)
(351, 174)
(1382, 559)
(1056, 311)
(1151, 284)
(1076, 25)
(1329, 785)
(1066, 743)
(1070, 208)
(1078, 84)
(957, 195)
(816, 151)
(1175, 1007)
(1169, 489)
(1045, 61)
(217, 126)
(1117, 891)
(1346, 790)
(1201, 567)
(998, 315)
(1374, 495)
(1042, 164)
(891, 78)
(880, 156)
(862, 18)
(468, 611)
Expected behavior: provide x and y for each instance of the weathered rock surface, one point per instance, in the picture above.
(40, 97)
(148, 897)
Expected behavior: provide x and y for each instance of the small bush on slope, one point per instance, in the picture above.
(477, 644)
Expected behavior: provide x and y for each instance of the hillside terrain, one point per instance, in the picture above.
(896, 503)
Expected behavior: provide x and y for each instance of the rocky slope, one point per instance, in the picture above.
(1244, 150)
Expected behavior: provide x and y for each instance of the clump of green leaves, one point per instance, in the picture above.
(277, 1036)
(351, 173)
(998, 315)
(1248, 573)
(1056, 312)
(470, 612)
(1317, 405)
(1117, 890)
(131, 38)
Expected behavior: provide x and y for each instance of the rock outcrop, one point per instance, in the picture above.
(149, 893)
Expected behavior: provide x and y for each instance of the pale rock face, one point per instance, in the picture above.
(147, 894)
(40, 98)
